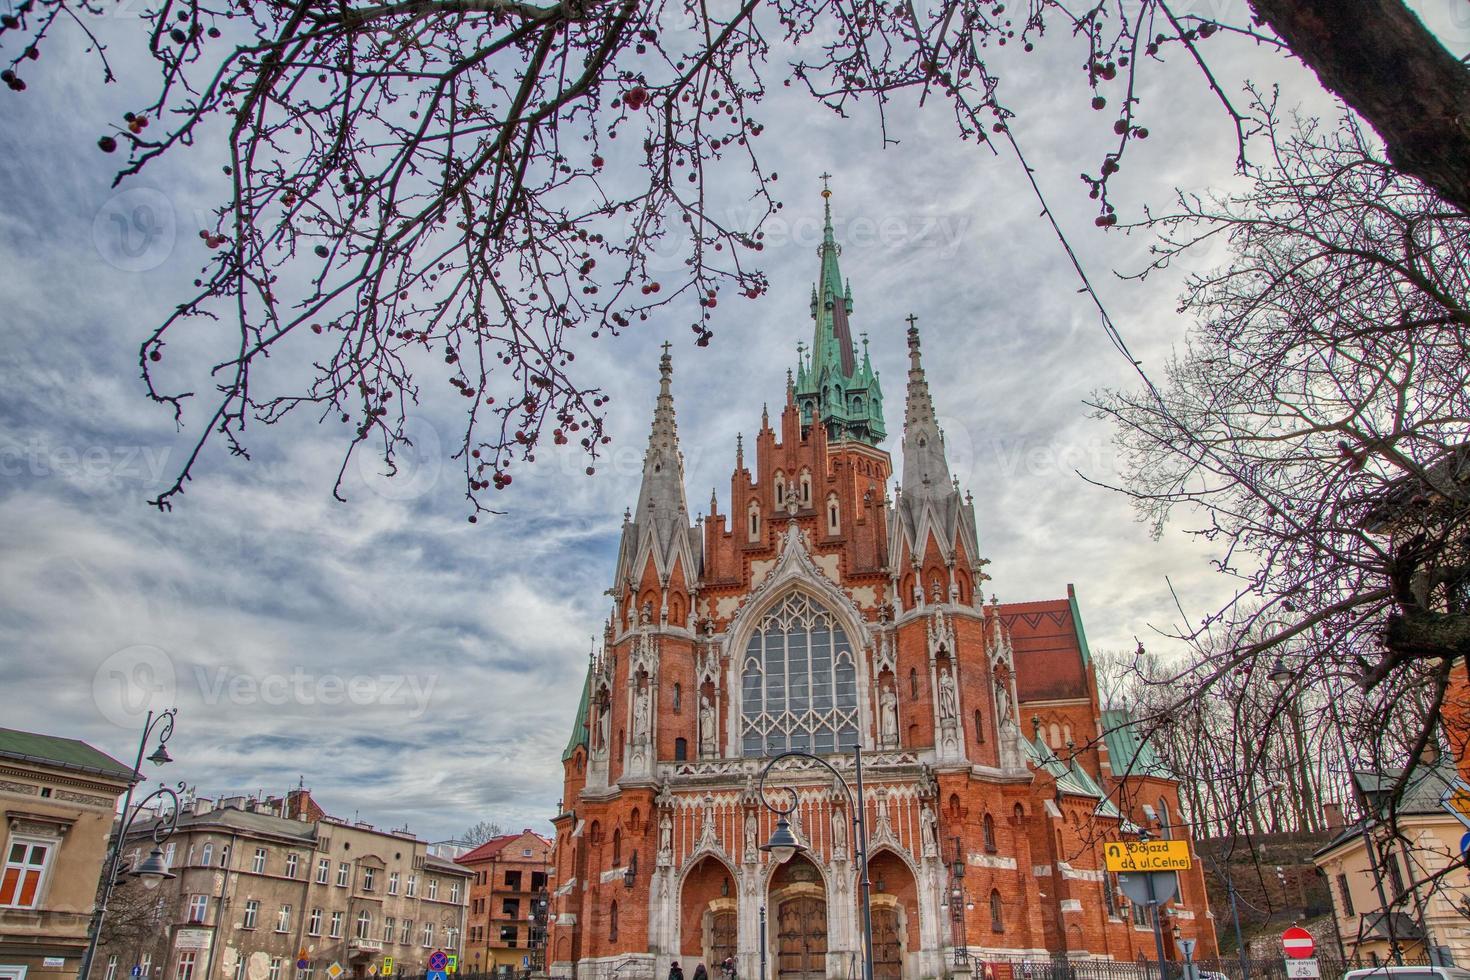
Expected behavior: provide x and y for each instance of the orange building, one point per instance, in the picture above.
(818, 613)
(506, 931)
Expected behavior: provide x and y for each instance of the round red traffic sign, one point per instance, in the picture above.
(1298, 943)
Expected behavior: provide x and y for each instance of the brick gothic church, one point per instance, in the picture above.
(816, 613)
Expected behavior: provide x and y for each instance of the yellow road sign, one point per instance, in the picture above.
(1154, 855)
(387, 965)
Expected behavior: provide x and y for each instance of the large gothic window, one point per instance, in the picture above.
(799, 682)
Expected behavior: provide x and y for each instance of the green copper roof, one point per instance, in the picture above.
(1077, 625)
(831, 385)
(62, 753)
(1129, 753)
(579, 726)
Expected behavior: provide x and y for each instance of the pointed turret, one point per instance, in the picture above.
(930, 504)
(659, 528)
(830, 386)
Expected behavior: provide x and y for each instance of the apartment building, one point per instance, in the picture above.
(57, 800)
(278, 890)
(508, 891)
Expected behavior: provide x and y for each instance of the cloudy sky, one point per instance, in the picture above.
(414, 669)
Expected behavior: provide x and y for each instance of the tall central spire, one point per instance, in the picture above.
(832, 387)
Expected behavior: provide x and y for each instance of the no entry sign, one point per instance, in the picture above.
(1298, 943)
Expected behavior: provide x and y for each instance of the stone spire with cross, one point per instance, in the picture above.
(832, 386)
(659, 529)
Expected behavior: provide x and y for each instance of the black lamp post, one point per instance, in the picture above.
(152, 869)
(783, 844)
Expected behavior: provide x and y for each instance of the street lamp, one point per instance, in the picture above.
(152, 869)
(783, 844)
(630, 874)
(1280, 674)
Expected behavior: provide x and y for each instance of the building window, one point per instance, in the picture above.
(344, 870)
(511, 907)
(979, 728)
(257, 866)
(678, 698)
(508, 936)
(997, 913)
(306, 973)
(145, 965)
(393, 883)
(426, 939)
(291, 864)
(224, 856)
(1140, 914)
(198, 907)
(806, 487)
(283, 919)
(987, 834)
(405, 932)
(780, 489)
(1165, 830)
(681, 749)
(184, 969)
(612, 923)
(913, 684)
(25, 871)
(206, 856)
(323, 870)
(168, 854)
(513, 878)
(799, 682)
(412, 887)
(314, 923)
(834, 524)
(336, 930)
(1110, 896)
(112, 967)
(754, 524)
(275, 972)
(1395, 878)
(364, 924)
(454, 892)
(1347, 895)
(369, 878)
(240, 968)
(252, 909)
(434, 888)
(389, 925)
(617, 848)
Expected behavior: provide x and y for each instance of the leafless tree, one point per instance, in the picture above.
(480, 832)
(444, 192)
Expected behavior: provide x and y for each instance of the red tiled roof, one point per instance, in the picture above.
(1049, 660)
(495, 845)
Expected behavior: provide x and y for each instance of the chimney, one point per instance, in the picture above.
(1332, 815)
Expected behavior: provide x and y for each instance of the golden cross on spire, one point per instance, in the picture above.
(824, 177)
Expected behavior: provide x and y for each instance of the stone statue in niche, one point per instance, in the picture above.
(604, 724)
(665, 838)
(708, 729)
(949, 701)
(640, 716)
(839, 833)
(888, 717)
(751, 846)
(1002, 699)
(930, 826)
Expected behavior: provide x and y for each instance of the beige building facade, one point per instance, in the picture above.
(264, 885)
(1409, 889)
(58, 797)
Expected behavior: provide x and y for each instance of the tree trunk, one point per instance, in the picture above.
(1380, 59)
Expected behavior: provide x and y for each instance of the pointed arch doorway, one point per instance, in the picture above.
(798, 897)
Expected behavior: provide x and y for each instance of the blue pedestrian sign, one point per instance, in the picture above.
(137, 971)
(1465, 846)
(437, 975)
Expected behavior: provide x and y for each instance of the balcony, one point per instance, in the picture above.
(366, 945)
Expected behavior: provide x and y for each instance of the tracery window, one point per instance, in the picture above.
(799, 682)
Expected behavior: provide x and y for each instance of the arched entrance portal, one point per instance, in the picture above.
(895, 903)
(799, 923)
(707, 915)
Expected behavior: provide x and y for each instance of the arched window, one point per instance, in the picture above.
(987, 834)
(681, 749)
(1055, 738)
(633, 819)
(1165, 830)
(913, 684)
(1067, 734)
(678, 697)
(979, 728)
(1020, 814)
(780, 488)
(806, 488)
(834, 522)
(755, 521)
(617, 848)
(612, 923)
(799, 682)
(997, 912)
(1110, 895)
(594, 833)
(206, 856)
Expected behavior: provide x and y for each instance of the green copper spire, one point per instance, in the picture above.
(831, 386)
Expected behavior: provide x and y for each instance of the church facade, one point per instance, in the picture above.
(815, 613)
